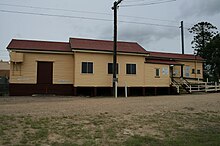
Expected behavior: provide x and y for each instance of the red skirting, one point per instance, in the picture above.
(30, 89)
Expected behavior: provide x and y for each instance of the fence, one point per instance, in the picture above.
(204, 87)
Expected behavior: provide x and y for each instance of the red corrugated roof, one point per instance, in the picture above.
(168, 62)
(174, 56)
(39, 45)
(103, 45)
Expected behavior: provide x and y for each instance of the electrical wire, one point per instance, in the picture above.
(88, 12)
(87, 18)
(133, 1)
(150, 3)
(56, 9)
(53, 15)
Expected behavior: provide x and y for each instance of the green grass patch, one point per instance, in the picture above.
(160, 129)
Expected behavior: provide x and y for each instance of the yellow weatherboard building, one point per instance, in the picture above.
(84, 67)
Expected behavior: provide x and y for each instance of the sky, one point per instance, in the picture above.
(154, 26)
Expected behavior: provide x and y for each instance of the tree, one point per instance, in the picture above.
(203, 33)
(205, 44)
(212, 51)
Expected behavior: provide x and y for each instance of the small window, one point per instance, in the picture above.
(157, 72)
(87, 67)
(198, 71)
(193, 71)
(110, 68)
(130, 68)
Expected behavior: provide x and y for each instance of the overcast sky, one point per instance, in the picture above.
(152, 37)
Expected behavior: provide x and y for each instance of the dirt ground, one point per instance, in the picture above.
(151, 120)
(61, 106)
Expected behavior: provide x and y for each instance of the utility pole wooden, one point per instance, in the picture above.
(182, 37)
(115, 79)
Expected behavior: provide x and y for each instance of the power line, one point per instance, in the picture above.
(86, 18)
(53, 15)
(151, 3)
(56, 9)
(153, 24)
(88, 12)
(138, 17)
(135, 1)
(132, 1)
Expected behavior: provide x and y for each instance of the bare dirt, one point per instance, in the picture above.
(151, 120)
(68, 106)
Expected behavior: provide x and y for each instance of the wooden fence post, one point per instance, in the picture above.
(206, 87)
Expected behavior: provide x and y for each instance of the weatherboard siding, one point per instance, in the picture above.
(192, 65)
(100, 76)
(67, 70)
(62, 68)
(131, 80)
(150, 75)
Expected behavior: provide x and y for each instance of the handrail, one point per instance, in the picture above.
(176, 85)
(187, 82)
(175, 82)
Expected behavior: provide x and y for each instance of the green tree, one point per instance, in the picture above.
(203, 33)
(212, 51)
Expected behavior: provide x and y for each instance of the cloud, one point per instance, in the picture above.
(147, 35)
(200, 7)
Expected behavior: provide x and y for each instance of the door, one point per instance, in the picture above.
(171, 72)
(44, 72)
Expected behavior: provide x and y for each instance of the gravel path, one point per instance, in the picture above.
(59, 106)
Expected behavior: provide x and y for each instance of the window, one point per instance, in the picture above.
(193, 71)
(87, 67)
(130, 68)
(157, 72)
(198, 71)
(110, 68)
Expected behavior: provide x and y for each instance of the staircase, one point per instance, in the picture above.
(183, 86)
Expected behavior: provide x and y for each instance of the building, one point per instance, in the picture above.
(4, 76)
(4, 68)
(84, 67)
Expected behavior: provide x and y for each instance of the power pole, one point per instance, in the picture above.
(115, 79)
(182, 36)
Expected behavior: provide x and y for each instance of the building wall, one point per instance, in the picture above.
(100, 76)
(26, 72)
(151, 80)
(131, 80)
(67, 70)
(190, 65)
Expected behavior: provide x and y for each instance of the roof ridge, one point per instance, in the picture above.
(93, 39)
(169, 53)
(40, 41)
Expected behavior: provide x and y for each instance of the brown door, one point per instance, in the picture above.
(44, 72)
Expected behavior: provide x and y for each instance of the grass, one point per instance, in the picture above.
(160, 129)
